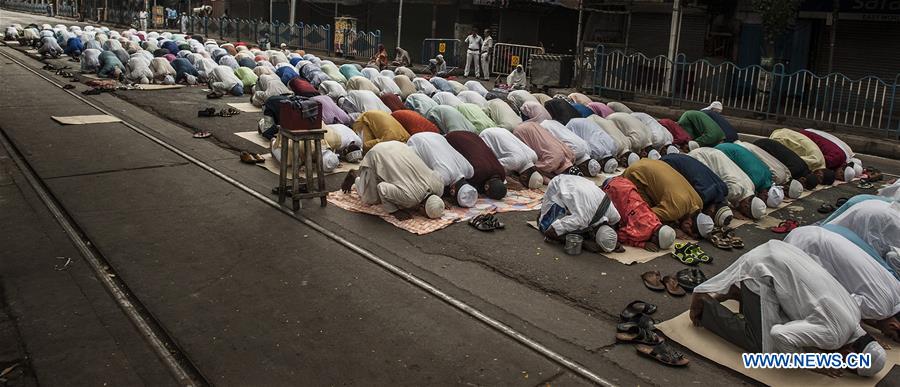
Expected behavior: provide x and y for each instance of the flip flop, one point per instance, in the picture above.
(694, 250)
(208, 112)
(663, 353)
(258, 158)
(202, 134)
(652, 280)
(672, 286)
(638, 335)
(840, 202)
(826, 208)
(785, 226)
(635, 309)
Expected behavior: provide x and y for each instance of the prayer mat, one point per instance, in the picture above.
(711, 346)
(273, 166)
(254, 137)
(156, 87)
(520, 200)
(631, 255)
(245, 107)
(82, 120)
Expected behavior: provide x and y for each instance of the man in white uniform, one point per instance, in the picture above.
(473, 48)
(788, 304)
(875, 289)
(486, 47)
(453, 168)
(393, 175)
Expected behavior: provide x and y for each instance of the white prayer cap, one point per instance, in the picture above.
(466, 196)
(666, 237)
(893, 258)
(434, 207)
(610, 165)
(704, 224)
(606, 238)
(354, 156)
(654, 154)
(330, 160)
(633, 158)
(191, 80)
(795, 189)
(593, 167)
(776, 196)
(878, 359)
(536, 180)
(849, 173)
(723, 216)
(857, 165)
(168, 80)
(716, 106)
(672, 149)
(757, 208)
(693, 145)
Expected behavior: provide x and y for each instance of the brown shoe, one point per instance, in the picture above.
(652, 280)
(247, 158)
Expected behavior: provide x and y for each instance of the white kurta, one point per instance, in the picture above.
(424, 86)
(446, 98)
(222, 79)
(360, 101)
(518, 97)
(438, 155)
(386, 85)
(578, 145)
(600, 142)
(818, 311)
(268, 86)
(659, 135)
(875, 289)
(780, 172)
(581, 198)
(392, 174)
(513, 154)
(469, 96)
(739, 184)
(637, 134)
(348, 137)
(623, 144)
(875, 221)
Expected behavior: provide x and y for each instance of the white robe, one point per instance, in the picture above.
(446, 98)
(659, 135)
(632, 128)
(578, 145)
(392, 174)
(476, 87)
(332, 89)
(876, 222)
(138, 70)
(875, 289)
(348, 137)
(268, 86)
(581, 198)
(424, 86)
(519, 97)
(780, 173)
(623, 144)
(817, 311)
(469, 96)
(739, 184)
(386, 85)
(222, 79)
(358, 102)
(438, 155)
(600, 142)
(513, 154)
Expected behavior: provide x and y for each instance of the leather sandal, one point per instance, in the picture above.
(663, 353)
(672, 286)
(638, 335)
(653, 281)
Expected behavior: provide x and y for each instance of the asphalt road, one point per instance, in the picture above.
(254, 297)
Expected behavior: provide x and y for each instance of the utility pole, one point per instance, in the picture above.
(293, 9)
(579, 65)
(674, 36)
(399, 22)
(834, 21)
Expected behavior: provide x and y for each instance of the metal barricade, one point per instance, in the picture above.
(449, 48)
(316, 37)
(635, 73)
(361, 44)
(505, 57)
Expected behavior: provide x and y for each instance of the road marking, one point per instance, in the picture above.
(534, 345)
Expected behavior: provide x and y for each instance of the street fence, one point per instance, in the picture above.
(449, 48)
(505, 57)
(360, 44)
(867, 102)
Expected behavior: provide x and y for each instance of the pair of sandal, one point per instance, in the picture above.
(202, 134)
(724, 238)
(486, 222)
(785, 226)
(215, 95)
(637, 327)
(251, 158)
(690, 278)
(690, 253)
(211, 112)
(654, 281)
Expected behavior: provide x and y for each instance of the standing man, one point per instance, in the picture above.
(142, 18)
(486, 47)
(473, 47)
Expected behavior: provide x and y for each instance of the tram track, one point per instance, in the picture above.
(176, 360)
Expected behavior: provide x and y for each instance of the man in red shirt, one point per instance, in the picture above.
(639, 226)
(835, 157)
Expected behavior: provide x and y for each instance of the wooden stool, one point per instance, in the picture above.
(308, 139)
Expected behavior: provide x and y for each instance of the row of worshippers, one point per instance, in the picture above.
(814, 290)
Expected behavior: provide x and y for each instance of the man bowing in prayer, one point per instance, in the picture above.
(575, 205)
(453, 168)
(788, 304)
(515, 156)
(702, 129)
(377, 126)
(670, 196)
(875, 289)
(756, 170)
(741, 191)
(393, 175)
(554, 157)
(807, 150)
(877, 222)
(490, 176)
(639, 226)
(711, 189)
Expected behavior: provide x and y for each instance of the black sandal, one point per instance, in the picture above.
(208, 112)
(481, 223)
(643, 321)
(663, 353)
(639, 335)
(840, 202)
(826, 208)
(635, 309)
